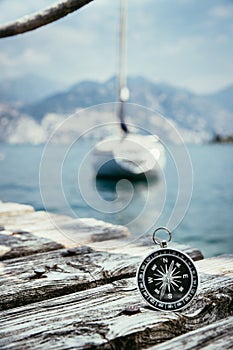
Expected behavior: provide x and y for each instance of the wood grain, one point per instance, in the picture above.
(101, 318)
(65, 271)
(217, 336)
(81, 297)
(22, 243)
(12, 209)
(141, 246)
(62, 229)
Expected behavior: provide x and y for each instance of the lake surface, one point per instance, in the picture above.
(68, 186)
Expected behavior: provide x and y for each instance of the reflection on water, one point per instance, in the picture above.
(144, 208)
(108, 187)
(136, 204)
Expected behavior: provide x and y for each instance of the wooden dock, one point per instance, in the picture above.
(57, 294)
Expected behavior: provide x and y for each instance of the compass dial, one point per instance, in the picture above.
(167, 279)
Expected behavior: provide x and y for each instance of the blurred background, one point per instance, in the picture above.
(179, 63)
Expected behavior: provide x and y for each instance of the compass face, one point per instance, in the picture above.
(167, 279)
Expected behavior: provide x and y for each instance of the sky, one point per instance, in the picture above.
(186, 43)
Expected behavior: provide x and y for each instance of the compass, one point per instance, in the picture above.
(167, 278)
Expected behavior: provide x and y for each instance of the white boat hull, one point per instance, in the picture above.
(135, 157)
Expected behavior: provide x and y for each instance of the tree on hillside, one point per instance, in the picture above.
(39, 19)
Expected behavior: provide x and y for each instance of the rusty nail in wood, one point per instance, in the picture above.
(130, 310)
(39, 272)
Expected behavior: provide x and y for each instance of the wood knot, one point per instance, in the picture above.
(54, 267)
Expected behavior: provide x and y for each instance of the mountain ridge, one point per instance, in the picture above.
(88, 93)
(200, 114)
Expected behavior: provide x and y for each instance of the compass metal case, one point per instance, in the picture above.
(167, 279)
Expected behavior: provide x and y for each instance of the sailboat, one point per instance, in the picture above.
(129, 155)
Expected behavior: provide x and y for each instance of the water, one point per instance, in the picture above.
(207, 224)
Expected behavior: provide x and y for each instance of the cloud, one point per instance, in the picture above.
(179, 47)
(172, 40)
(15, 9)
(27, 57)
(207, 83)
(222, 11)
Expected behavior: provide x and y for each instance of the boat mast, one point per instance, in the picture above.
(123, 89)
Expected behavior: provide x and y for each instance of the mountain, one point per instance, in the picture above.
(81, 95)
(224, 98)
(197, 117)
(189, 110)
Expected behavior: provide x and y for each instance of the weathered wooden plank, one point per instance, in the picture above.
(217, 336)
(12, 209)
(41, 218)
(141, 246)
(63, 229)
(65, 271)
(23, 243)
(70, 232)
(101, 317)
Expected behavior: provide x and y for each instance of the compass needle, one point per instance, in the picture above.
(163, 290)
(171, 268)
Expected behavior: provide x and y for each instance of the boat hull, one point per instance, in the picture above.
(107, 164)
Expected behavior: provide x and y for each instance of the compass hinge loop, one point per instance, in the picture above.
(163, 244)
